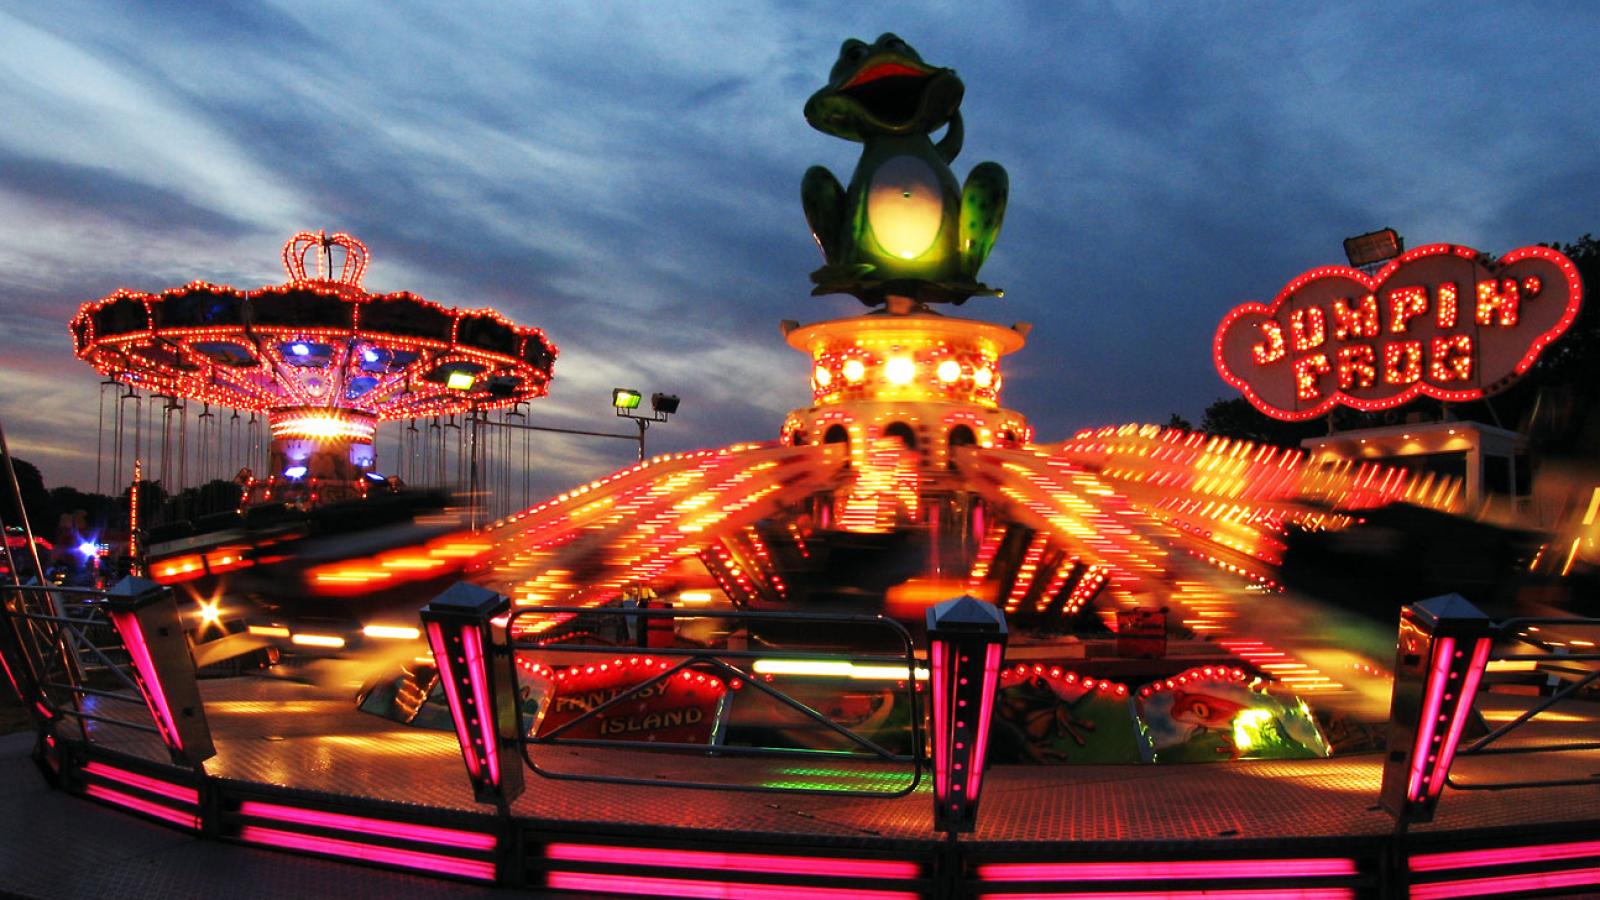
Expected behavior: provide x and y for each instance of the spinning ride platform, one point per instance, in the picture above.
(1248, 829)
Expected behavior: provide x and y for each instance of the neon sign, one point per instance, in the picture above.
(1439, 321)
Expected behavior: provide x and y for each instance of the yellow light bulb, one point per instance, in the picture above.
(949, 371)
(823, 376)
(900, 370)
(983, 377)
(854, 371)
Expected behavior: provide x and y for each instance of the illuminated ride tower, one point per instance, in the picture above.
(320, 356)
(906, 482)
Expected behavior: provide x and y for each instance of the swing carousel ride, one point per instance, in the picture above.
(323, 361)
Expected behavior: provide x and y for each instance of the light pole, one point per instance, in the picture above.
(626, 403)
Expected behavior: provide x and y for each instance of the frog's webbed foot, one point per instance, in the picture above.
(840, 279)
(958, 292)
(824, 201)
(983, 208)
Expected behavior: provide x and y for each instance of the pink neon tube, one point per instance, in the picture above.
(1505, 884)
(410, 859)
(1159, 870)
(139, 804)
(478, 674)
(1263, 894)
(980, 737)
(941, 721)
(428, 834)
(735, 862)
(441, 657)
(12, 678)
(145, 783)
(1458, 720)
(1501, 856)
(608, 885)
(1438, 678)
(133, 638)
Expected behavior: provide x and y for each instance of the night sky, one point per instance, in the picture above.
(627, 177)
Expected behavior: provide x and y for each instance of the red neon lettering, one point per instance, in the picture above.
(1272, 348)
(1306, 371)
(1357, 365)
(1402, 362)
(1406, 304)
(1308, 328)
(1498, 300)
(1447, 309)
(1360, 321)
(1451, 358)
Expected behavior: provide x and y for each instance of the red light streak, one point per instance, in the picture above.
(144, 783)
(682, 887)
(1462, 712)
(428, 834)
(448, 675)
(139, 804)
(410, 859)
(734, 862)
(1500, 885)
(1501, 856)
(127, 624)
(1152, 870)
(1433, 699)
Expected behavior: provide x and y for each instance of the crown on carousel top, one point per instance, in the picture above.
(355, 257)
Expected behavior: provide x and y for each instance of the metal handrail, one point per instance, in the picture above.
(1514, 629)
(64, 634)
(714, 659)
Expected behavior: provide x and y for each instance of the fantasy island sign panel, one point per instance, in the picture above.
(1439, 321)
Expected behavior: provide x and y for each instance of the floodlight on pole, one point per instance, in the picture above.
(626, 402)
(1373, 248)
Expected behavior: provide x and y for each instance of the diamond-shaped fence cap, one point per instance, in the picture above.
(1450, 611)
(465, 600)
(133, 592)
(968, 614)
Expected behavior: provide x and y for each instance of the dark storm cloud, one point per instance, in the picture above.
(627, 178)
(69, 191)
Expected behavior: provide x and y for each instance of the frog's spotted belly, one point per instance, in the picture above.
(905, 206)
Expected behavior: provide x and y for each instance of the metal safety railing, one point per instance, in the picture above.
(749, 670)
(66, 645)
(1543, 633)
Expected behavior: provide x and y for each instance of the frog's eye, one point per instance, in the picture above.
(855, 51)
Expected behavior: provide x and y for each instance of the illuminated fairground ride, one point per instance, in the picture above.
(904, 576)
(323, 359)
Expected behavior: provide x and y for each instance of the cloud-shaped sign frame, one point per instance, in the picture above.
(1440, 321)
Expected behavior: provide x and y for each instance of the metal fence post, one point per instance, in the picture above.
(145, 615)
(481, 687)
(1443, 648)
(966, 640)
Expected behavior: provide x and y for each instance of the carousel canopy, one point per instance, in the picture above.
(318, 341)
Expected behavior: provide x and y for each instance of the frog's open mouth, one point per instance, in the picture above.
(890, 91)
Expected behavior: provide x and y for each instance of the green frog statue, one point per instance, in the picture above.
(903, 228)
